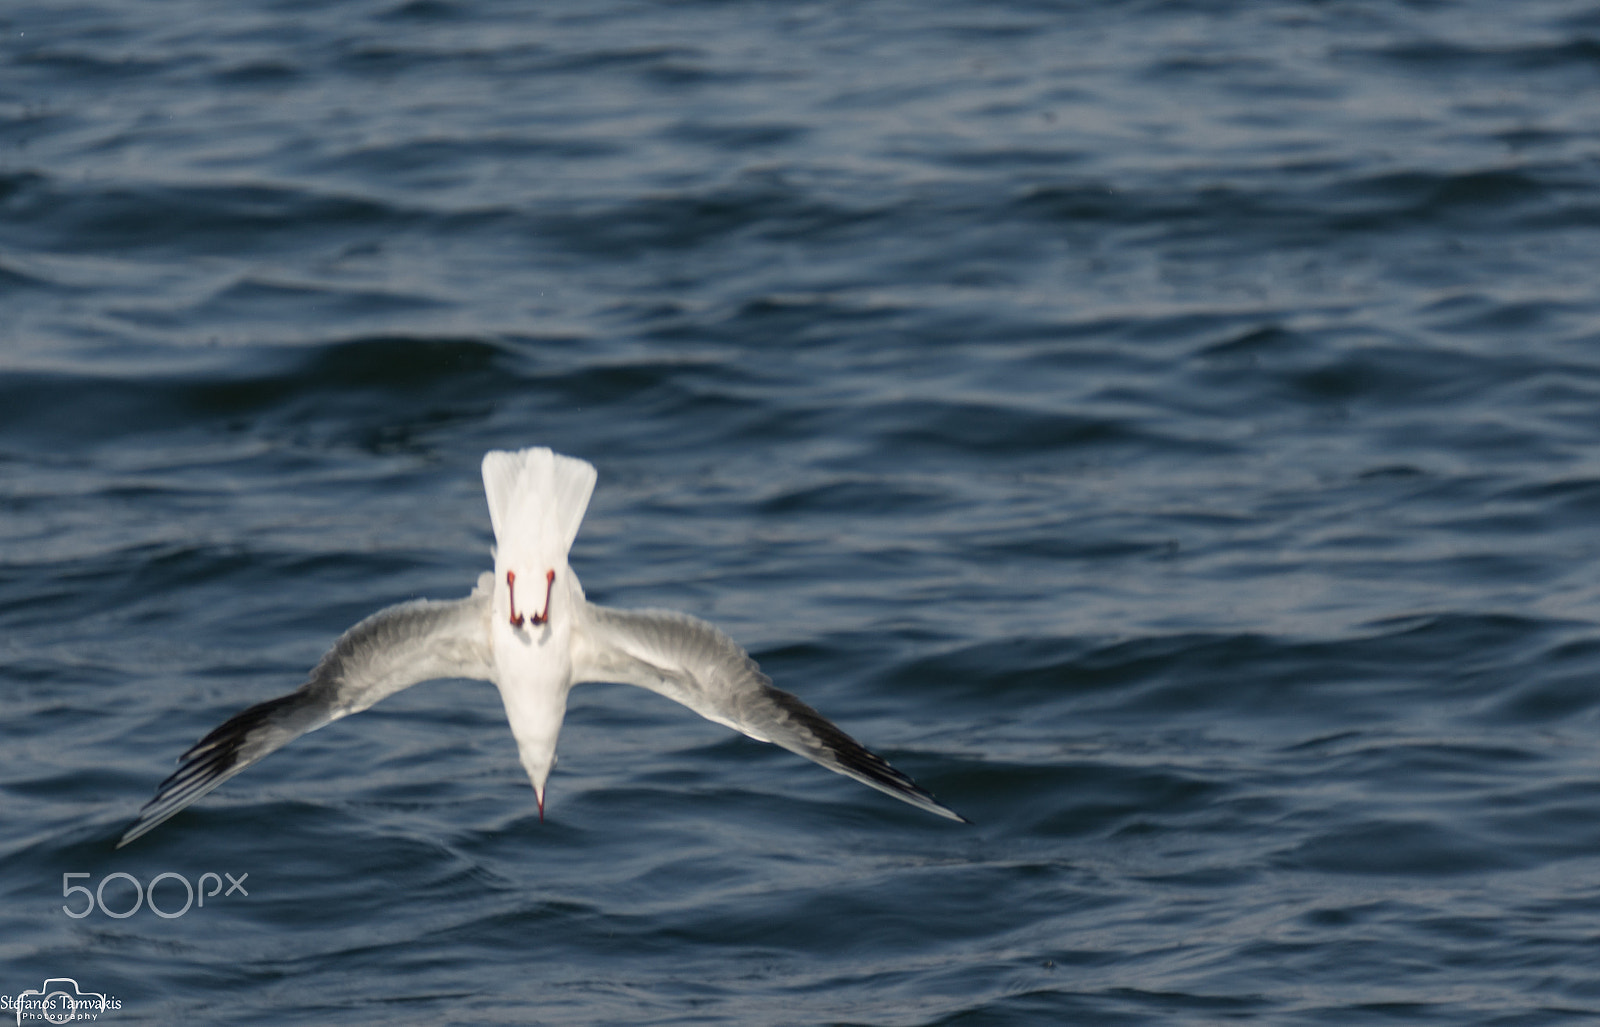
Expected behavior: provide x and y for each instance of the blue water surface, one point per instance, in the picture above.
(1168, 430)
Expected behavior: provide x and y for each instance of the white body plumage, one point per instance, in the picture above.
(536, 503)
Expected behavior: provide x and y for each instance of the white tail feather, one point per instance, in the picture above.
(536, 498)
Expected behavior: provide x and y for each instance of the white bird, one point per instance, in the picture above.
(537, 499)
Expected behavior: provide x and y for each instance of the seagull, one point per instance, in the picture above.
(537, 500)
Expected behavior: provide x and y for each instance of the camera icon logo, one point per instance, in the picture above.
(58, 1000)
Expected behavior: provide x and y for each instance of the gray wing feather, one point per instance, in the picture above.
(691, 662)
(393, 649)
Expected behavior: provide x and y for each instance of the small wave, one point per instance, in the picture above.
(352, 382)
(55, 215)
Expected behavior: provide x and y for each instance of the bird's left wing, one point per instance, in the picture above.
(391, 650)
(691, 662)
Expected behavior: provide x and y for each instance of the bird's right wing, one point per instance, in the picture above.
(691, 662)
(389, 651)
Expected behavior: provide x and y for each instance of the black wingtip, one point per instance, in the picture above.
(204, 766)
(855, 760)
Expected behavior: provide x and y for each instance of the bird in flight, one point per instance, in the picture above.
(528, 628)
